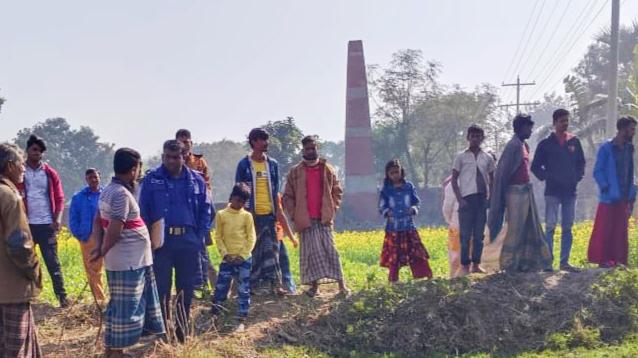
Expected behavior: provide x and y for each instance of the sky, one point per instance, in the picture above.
(135, 71)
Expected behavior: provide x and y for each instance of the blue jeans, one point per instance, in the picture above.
(568, 208)
(472, 220)
(286, 276)
(241, 274)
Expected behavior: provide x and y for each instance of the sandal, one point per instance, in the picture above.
(312, 291)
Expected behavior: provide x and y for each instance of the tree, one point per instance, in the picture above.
(400, 87)
(335, 153)
(222, 158)
(71, 151)
(284, 143)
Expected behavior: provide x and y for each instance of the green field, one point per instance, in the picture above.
(375, 302)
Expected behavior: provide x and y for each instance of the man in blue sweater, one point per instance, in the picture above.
(560, 162)
(84, 205)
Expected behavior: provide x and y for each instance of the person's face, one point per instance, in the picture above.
(394, 174)
(526, 131)
(136, 172)
(628, 132)
(187, 142)
(475, 139)
(173, 161)
(34, 153)
(15, 171)
(309, 151)
(236, 202)
(93, 181)
(260, 145)
(562, 123)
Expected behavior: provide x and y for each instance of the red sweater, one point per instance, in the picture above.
(56, 193)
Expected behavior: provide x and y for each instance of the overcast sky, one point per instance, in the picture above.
(135, 71)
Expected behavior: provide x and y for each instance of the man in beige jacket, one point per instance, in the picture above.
(311, 199)
(20, 275)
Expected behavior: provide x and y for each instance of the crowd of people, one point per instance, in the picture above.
(147, 231)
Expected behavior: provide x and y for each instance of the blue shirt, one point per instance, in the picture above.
(84, 205)
(181, 202)
(404, 204)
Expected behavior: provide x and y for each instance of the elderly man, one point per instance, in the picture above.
(20, 275)
(311, 199)
(524, 247)
(177, 195)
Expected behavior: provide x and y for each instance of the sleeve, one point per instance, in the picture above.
(120, 207)
(205, 210)
(205, 173)
(491, 167)
(74, 216)
(145, 203)
(219, 235)
(600, 169)
(383, 203)
(539, 162)
(19, 243)
(414, 200)
(580, 160)
(239, 172)
(58, 195)
(458, 163)
(251, 238)
(289, 194)
(337, 191)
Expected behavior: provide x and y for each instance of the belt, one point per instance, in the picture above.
(176, 230)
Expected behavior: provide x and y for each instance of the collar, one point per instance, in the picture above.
(128, 186)
(6, 181)
(167, 175)
(87, 190)
(314, 164)
(39, 167)
(233, 211)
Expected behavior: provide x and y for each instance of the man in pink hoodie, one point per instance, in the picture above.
(44, 201)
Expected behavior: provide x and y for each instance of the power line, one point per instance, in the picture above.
(560, 20)
(509, 67)
(580, 19)
(520, 58)
(540, 37)
(582, 32)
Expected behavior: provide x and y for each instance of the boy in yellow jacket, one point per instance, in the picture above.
(235, 237)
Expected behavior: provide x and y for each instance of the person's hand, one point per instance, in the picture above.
(56, 226)
(295, 242)
(95, 254)
(462, 203)
(228, 258)
(238, 260)
(389, 214)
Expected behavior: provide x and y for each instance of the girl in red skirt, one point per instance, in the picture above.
(398, 203)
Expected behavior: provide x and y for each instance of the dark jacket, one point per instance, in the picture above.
(561, 167)
(607, 178)
(84, 205)
(245, 174)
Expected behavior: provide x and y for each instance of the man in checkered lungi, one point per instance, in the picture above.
(134, 308)
(311, 199)
(20, 275)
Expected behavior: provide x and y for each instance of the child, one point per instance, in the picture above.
(235, 237)
(283, 229)
(402, 245)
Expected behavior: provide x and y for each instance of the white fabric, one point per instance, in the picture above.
(450, 207)
(38, 201)
(466, 164)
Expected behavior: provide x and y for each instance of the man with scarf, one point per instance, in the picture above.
(311, 199)
(524, 247)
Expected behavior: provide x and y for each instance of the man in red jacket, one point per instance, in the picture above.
(44, 200)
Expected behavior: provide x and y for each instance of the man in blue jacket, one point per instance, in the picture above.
(177, 195)
(614, 174)
(560, 162)
(261, 174)
(84, 205)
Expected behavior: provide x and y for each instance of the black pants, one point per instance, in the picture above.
(45, 237)
(472, 220)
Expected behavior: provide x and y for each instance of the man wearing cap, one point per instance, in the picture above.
(524, 247)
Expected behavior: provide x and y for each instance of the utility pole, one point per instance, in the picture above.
(612, 91)
(518, 103)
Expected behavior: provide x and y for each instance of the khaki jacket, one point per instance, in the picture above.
(296, 204)
(20, 273)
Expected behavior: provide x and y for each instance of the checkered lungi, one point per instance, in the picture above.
(18, 336)
(266, 267)
(318, 258)
(134, 308)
